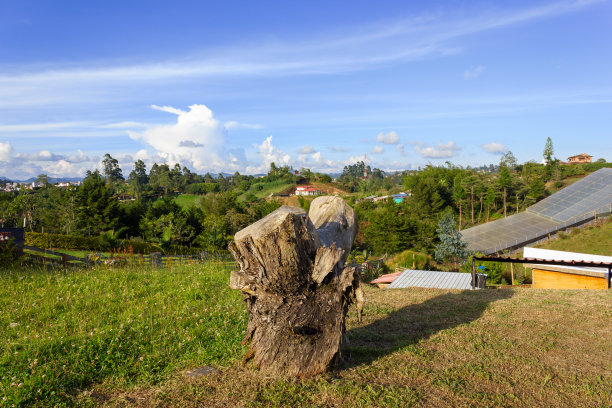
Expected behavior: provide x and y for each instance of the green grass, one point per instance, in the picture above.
(186, 201)
(592, 239)
(121, 337)
(64, 331)
(262, 190)
(418, 347)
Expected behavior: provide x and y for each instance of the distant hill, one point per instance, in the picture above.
(53, 180)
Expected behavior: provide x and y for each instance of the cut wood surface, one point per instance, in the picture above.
(296, 286)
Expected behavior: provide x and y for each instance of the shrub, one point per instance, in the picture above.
(46, 241)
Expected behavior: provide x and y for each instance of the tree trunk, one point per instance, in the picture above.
(472, 203)
(505, 202)
(296, 286)
(459, 204)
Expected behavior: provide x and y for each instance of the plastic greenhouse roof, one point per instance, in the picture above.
(574, 205)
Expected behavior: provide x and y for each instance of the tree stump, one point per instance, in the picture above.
(296, 286)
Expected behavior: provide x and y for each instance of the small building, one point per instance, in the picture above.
(399, 198)
(438, 280)
(580, 158)
(307, 191)
(563, 276)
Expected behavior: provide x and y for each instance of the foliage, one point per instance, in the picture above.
(10, 254)
(451, 246)
(48, 241)
(97, 209)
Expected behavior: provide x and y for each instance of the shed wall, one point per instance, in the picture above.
(559, 280)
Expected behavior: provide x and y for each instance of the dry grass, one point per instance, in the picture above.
(415, 347)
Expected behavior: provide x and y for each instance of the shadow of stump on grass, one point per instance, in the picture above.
(416, 322)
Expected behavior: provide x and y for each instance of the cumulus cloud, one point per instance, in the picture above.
(270, 153)
(388, 138)
(440, 151)
(196, 140)
(306, 150)
(43, 155)
(337, 149)
(190, 143)
(6, 151)
(495, 148)
(378, 149)
(400, 148)
(474, 72)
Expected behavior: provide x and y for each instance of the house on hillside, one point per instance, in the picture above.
(307, 191)
(563, 276)
(580, 158)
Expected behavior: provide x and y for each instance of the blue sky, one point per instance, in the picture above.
(232, 86)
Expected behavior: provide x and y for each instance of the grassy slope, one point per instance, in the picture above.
(591, 240)
(186, 201)
(114, 327)
(262, 190)
(505, 347)
(508, 347)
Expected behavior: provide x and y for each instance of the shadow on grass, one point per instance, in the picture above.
(416, 322)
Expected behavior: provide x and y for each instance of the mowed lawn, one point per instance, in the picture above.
(125, 337)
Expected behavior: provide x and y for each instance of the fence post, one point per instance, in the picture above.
(156, 260)
(473, 273)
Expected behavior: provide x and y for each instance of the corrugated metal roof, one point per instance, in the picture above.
(388, 278)
(432, 279)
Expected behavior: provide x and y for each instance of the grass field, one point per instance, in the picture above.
(123, 338)
(62, 332)
(186, 201)
(591, 240)
(262, 190)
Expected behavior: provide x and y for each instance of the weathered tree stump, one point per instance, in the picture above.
(296, 286)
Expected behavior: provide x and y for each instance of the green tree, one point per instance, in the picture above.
(138, 178)
(97, 209)
(459, 195)
(112, 172)
(508, 160)
(451, 246)
(504, 181)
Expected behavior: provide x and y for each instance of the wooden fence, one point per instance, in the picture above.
(57, 259)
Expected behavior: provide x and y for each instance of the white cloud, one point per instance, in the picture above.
(441, 151)
(378, 149)
(6, 151)
(400, 148)
(473, 73)
(337, 149)
(196, 140)
(168, 109)
(43, 155)
(495, 148)
(388, 138)
(306, 150)
(270, 153)
(237, 125)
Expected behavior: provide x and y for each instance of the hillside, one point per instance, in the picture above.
(99, 341)
(593, 239)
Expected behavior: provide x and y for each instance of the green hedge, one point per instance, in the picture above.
(41, 240)
(45, 241)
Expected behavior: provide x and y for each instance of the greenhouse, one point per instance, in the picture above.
(576, 204)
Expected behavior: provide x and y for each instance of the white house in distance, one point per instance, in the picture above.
(307, 191)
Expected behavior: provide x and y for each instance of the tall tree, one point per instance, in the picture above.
(504, 181)
(138, 178)
(98, 210)
(112, 171)
(459, 196)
